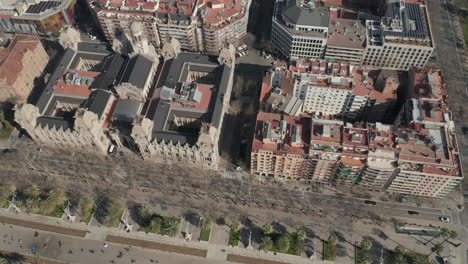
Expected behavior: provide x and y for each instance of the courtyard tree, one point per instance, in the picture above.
(235, 226)
(32, 191)
(399, 255)
(7, 189)
(172, 228)
(332, 239)
(267, 229)
(266, 244)
(366, 244)
(155, 225)
(56, 197)
(301, 234)
(438, 248)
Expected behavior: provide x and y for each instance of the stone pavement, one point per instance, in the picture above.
(95, 236)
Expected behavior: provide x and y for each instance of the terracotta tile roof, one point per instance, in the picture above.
(11, 57)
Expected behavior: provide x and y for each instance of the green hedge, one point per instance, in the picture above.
(234, 238)
(5, 132)
(329, 251)
(205, 234)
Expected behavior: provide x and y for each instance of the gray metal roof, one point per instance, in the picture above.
(54, 122)
(126, 110)
(222, 88)
(137, 70)
(93, 47)
(97, 101)
(110, 73)
(176, 69)
(298, 15)
(49, 89)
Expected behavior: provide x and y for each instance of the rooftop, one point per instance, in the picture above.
(326, 133)
(75, 84)
(297, 13)
(346, 33)
(11, 57)
(281, 134)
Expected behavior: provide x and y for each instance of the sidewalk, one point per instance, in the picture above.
(221, 253)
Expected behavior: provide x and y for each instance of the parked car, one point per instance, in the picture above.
(444, 219)
(370, 202)
(112, 150)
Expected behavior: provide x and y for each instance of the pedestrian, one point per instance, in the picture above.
(45, 245)
(81, 250)
(19, 240)
(70, 252)
(102, 250)
(60, 243)
(105, 245)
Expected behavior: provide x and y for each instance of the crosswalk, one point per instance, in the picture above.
(233, 175)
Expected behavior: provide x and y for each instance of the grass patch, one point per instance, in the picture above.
(6, 129)
(463, 18)
(113, 216)
(329, 251)
(205, 234)
(57, 212)
(461, 4)
(88, 214)
(234, 238)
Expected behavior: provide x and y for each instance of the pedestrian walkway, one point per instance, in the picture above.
(33, 259)
(208, 251)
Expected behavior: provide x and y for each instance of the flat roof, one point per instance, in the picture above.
(347, 33)
(294, 13)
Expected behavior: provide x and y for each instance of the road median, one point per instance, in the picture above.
(157, 245)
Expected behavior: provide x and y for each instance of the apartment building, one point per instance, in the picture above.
(280, 146)
(429, 159)
(326, 148)
(417, 155)
(299, 29)
(23, 60)
(346, 41)
(204, 26)
(401, 40)
(343, 91)
(41, 17)
(382, 158)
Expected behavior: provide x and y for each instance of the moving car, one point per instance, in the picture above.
(444, 219)
(413, 213)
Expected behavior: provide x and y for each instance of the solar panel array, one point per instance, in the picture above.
(412, 12)
(41, 7)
